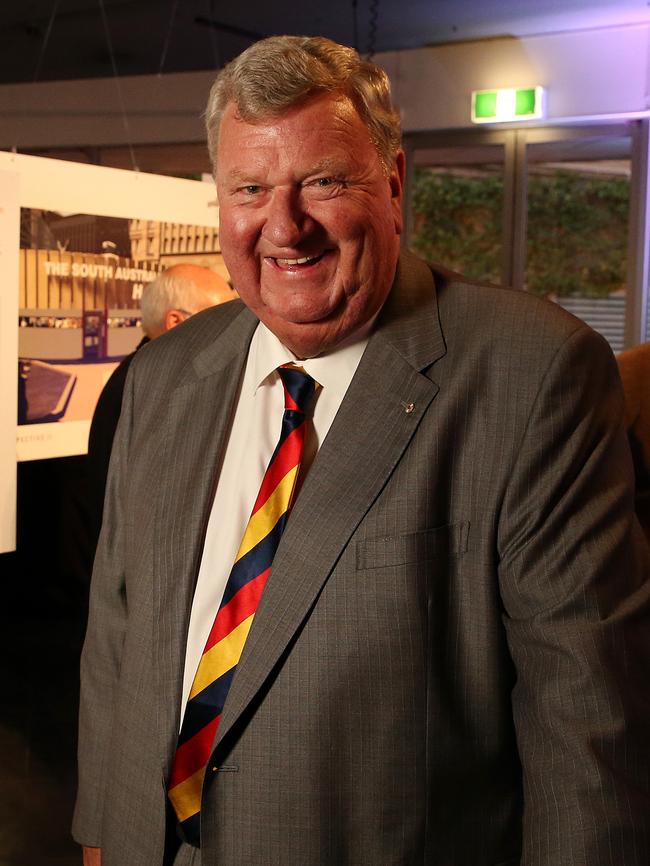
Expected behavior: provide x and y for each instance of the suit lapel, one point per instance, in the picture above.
(388, 394)
(197, 424)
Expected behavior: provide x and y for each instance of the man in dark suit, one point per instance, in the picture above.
(175, 295)
(448, 661)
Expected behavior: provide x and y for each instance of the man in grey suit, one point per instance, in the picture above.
(449, 662)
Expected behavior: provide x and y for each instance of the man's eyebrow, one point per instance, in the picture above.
(327, 164)
(240, 176)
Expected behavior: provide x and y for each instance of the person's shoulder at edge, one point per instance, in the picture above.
(634, 366)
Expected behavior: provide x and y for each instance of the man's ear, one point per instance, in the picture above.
(173, 318)
(396, 180)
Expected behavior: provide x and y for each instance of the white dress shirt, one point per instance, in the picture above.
(253, 436)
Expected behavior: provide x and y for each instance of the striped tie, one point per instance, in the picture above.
(237, 609)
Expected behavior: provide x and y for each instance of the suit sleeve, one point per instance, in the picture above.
(101, 655)
(574, 582)
(100, 443)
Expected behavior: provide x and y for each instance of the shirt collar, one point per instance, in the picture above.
(333, 370)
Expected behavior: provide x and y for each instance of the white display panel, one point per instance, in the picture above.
(90, 238)
(9, 235)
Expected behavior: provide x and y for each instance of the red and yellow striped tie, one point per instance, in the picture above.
(243, 591)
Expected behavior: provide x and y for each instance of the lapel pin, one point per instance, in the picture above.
(408, 407)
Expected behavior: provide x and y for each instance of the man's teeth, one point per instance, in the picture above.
(302, 261)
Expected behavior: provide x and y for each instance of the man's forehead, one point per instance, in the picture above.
(322, 111)
(330, 120)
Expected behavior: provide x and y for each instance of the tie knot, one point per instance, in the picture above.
(299, 387)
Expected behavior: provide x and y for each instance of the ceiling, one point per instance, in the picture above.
(45, 40)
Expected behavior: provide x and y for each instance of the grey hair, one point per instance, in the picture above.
(277, 73)
(167, 292)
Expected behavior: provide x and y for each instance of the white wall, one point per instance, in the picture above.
(160, 109)
(589, 74)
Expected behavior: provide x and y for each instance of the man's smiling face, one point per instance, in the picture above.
(309, 220)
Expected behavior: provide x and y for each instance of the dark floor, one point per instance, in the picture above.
(37, 741)
(42, 617)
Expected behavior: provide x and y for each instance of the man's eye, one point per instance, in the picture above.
(324, 181)
(252, 188)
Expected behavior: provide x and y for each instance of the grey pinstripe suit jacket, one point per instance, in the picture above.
(449, 665)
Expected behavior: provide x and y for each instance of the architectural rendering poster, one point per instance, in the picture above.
(9, 222)
(90, 240)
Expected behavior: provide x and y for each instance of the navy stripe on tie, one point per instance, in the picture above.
(205, 706)
(253, 563)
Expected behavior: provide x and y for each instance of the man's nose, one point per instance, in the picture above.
(286, 221)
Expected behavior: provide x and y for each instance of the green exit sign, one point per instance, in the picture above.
(507, 103)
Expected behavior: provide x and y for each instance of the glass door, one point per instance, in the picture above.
(459, 204)
(558, 211)
(577, 224)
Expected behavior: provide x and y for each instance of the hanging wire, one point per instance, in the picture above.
(118, 85)
(355, 25)
(214, 43)
(372, 28)
(228, 28)
(46, 39)
(168, 36)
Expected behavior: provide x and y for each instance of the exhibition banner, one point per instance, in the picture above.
(90, 239)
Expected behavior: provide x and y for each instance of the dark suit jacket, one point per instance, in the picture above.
(100, 440)
(450, 662)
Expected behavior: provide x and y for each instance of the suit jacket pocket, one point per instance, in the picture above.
(424, 546)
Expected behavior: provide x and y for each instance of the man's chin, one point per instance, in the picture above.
(307, 339)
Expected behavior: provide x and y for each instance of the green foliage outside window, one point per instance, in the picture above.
(457, 222)
(577, 228)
